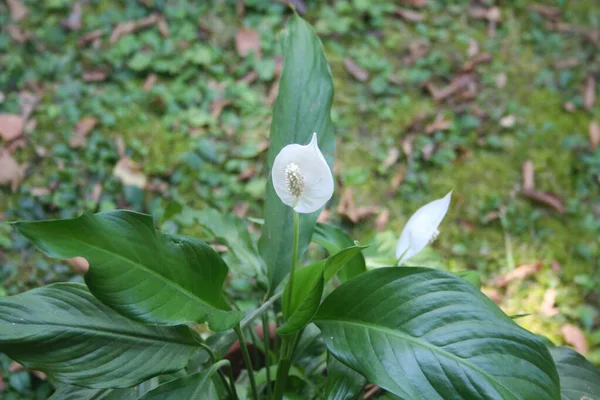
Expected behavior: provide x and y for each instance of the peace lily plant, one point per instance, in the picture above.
(158, 318)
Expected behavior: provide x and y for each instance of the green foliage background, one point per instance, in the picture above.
(195, 159)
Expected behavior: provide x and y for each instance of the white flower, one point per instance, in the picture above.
(302, 178)
(422, 228)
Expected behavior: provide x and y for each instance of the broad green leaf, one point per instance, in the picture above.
(195, 386)
(64, 331)
(334, 240)
(303, 106)
(343, 383)
(233, 231)
(68, 392)
(422, 333)
(579, 379)
(309, 283)
(140, 272)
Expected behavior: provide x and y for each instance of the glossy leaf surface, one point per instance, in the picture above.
(579, 379)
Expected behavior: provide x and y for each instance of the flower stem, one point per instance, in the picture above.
(267, 346)
(290, 285)
(246, 355)
(288, 343)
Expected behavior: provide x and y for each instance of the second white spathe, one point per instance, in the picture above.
(422, 228)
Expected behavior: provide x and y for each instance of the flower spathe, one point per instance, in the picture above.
(422, 228)
(301, 177)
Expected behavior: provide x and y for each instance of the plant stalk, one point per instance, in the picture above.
(247, 360)
(288, 343)
(267, 345)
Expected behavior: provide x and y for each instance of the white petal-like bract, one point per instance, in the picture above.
(422, 228)
(301, 177)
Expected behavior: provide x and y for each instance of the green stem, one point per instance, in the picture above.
(231, 386)
(266, 342)
(288, 343)
(247, 360)
(290, 285)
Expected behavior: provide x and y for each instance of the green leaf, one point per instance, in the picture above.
(233, 231)
(303, 106)
(63, 330)
(343, 383)
(67, 392)
(579, 380)
(309, 283)
(422, 333)
(195, 386)
(334, 240)
(140, 272)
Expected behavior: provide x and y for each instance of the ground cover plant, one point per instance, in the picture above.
(161, 313)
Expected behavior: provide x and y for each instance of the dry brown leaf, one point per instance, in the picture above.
(392, 157)
(547, 308)
(566, 63)
(589, 92)
(125, 28)
(10, 171)
(382, 220)
(418, 49)
(83, 127)
(95, 194)
(28, 102)
(11, 126)
(397, 179)
(324, 216)
(409, 15)
(501, 80)
(459, 83)
(17, 34)
(163, 27)
(73, 21)
(90, 37)
(569, 107)
(473, 48)
(250, 77)
(357, 72)
(217, 107)
(594, 135)
(475, 61)
(247, 173)
(347, 208)
(149, 82)
(79, 265)
(492, 293)
(528, 175)
(548, 199)
(97, 75)
(241, 208)
(492, 14)
(129, 173)
(545, 11)
(439, 124)
(273, 92)
(520, 272)
(575, 337)
(17, 9)
(246, 41)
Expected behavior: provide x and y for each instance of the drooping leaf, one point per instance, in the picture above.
(579, 379)
(303, 107)
(343, 383)
(142, 273)
(195, 386)
(334, 240)
(422, 333)
(64, 331)
(233, 231)
(309, 283)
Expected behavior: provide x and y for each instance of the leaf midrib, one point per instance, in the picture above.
(109, 332)
(423, 344)
(151, 272)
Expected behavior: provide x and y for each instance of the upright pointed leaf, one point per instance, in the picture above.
(142, 273)
(195, 386)
(422, 333)
(309, 283)
(303, 106)
(579, 379)
(343, 383)
(334, 240)
(64, 331)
